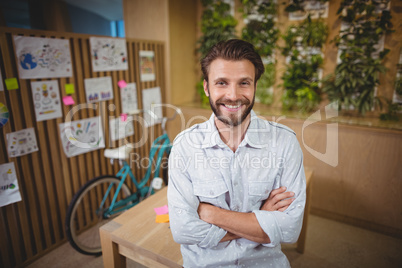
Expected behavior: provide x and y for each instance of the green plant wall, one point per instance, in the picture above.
(260, 30)
(356, 76)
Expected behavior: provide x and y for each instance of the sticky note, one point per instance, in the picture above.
(11, 83)
(69, 88)
(68, 100)
(123, 117)
(162, 218)
(122, 84)
(162, 210)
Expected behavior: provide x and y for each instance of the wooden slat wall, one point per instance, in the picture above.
(47, 178)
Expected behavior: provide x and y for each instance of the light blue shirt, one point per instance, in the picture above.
(202, 168)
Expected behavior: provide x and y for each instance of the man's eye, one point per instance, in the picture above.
(245, 83)
(221, 83)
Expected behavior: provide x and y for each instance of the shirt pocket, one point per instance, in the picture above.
(212, 191)
(258, 191)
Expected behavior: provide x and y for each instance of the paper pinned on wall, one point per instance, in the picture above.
(21, 142)
(68, 100)
(128, 97)
(69, 88)
(122, 84)
(9, 190)
(11, 83)
(108, 54)
(120, 129)
(39, 57)
(147, 66)
(4, 115)
(98, 89)
(46, 99)
(82, 136)
(152, 105)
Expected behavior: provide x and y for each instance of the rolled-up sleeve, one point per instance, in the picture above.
(285, 227)
(186, 226)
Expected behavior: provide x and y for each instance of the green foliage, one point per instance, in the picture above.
(303, 45)
(298, 5)
(217, 24)
(392, 110)
(398, 86)
(260, 30)
(357, 76)
(266, 81)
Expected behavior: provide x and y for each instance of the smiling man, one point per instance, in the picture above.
(236, 182)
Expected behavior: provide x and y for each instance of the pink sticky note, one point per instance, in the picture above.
(123, 117)
(122, 84)
(68, 100)
(162, 210)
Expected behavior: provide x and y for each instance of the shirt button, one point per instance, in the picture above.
(235, 184)
(211, 192)
(178, 211)
(266, 191)
(236, 208)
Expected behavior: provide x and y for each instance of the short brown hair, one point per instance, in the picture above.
(233, 50)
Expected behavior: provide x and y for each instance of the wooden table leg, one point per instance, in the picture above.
(110, 250)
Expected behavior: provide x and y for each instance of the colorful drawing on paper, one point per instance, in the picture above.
(42, 57)
(108, 54)
(21, 142)
(152, 105)
(98, 89)
(82, 136)
(128, 97)
(120, 129)
(147, 66)
(315, 9)
(46, 99)
(9, 190)
(4, 114)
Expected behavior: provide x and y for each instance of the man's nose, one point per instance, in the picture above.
(232, 92)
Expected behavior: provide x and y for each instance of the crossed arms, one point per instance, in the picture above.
(245, 225)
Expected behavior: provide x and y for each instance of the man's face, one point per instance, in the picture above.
(231, 90)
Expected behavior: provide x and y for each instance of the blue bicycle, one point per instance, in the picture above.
(105, 197)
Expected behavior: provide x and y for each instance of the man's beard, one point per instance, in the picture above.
(234, 119)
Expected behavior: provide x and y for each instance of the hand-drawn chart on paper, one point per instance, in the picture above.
(151, 103)
(128, 96)
(21, 142)
(108, 54)
(147, 66)
(9, 190)
(120, 129)
(82, 136)
(42, 57)
(46, 98)
(98, 89)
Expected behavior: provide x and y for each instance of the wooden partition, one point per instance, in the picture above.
(47, 178)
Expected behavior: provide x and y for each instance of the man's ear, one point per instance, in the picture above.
(205, 83)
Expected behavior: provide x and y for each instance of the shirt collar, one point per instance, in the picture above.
(252, 137)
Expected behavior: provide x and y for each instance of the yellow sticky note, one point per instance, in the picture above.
(162, 218)
(69, 88)
(11, 83)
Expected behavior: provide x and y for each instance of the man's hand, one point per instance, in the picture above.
(276, 202)
(205, 211)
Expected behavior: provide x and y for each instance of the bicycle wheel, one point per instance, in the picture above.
(85, 216)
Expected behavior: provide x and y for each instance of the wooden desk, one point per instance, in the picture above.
(135, 235)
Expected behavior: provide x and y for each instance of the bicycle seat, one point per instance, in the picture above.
(121, 153)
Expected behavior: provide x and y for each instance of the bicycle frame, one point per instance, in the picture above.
(162, 143)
